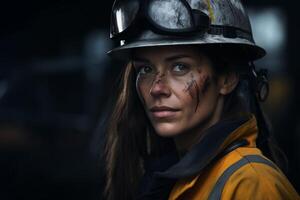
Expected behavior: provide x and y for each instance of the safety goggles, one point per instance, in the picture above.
(164, 16)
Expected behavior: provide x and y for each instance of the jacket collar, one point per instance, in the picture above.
(216, 139)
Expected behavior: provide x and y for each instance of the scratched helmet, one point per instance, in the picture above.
(213, 23)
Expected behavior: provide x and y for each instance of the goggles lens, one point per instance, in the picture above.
(123, 14)
(170, 14)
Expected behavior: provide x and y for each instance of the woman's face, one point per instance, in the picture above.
(177, 88)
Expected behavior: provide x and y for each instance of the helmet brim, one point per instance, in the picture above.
(238, 47)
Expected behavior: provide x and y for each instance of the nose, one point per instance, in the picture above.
(160, 88)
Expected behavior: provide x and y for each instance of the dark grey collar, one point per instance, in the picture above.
(204, 152)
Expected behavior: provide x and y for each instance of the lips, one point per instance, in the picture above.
(163, 111)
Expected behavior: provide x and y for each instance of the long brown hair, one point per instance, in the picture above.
(126, 141)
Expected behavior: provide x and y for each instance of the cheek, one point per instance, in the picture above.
(143, 86)
(194, 89)
(197, 85)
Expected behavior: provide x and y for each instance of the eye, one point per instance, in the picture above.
(180, 68)
(144, 70)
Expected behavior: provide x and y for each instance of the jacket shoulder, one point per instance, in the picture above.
(258, 181)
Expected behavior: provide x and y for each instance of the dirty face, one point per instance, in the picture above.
(177, 88)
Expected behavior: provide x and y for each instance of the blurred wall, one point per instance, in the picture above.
(56, 83)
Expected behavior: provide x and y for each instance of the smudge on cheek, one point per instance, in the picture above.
(197, 89)
(190, 86)
(193, 90)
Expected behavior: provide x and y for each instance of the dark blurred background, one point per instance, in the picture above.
(56, 83)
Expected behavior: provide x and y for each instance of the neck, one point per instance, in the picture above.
(186, 140)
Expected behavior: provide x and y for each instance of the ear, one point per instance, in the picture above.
(228, 82)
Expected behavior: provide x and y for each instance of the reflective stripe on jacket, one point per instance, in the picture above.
(252, 180)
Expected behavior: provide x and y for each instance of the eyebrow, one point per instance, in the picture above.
(168, 59)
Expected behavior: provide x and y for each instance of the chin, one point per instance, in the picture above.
(166, 130)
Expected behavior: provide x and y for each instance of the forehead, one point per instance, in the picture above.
(154, 53)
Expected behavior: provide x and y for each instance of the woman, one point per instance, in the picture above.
(187, 122)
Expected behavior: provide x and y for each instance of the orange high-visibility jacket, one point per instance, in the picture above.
(244, 173)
